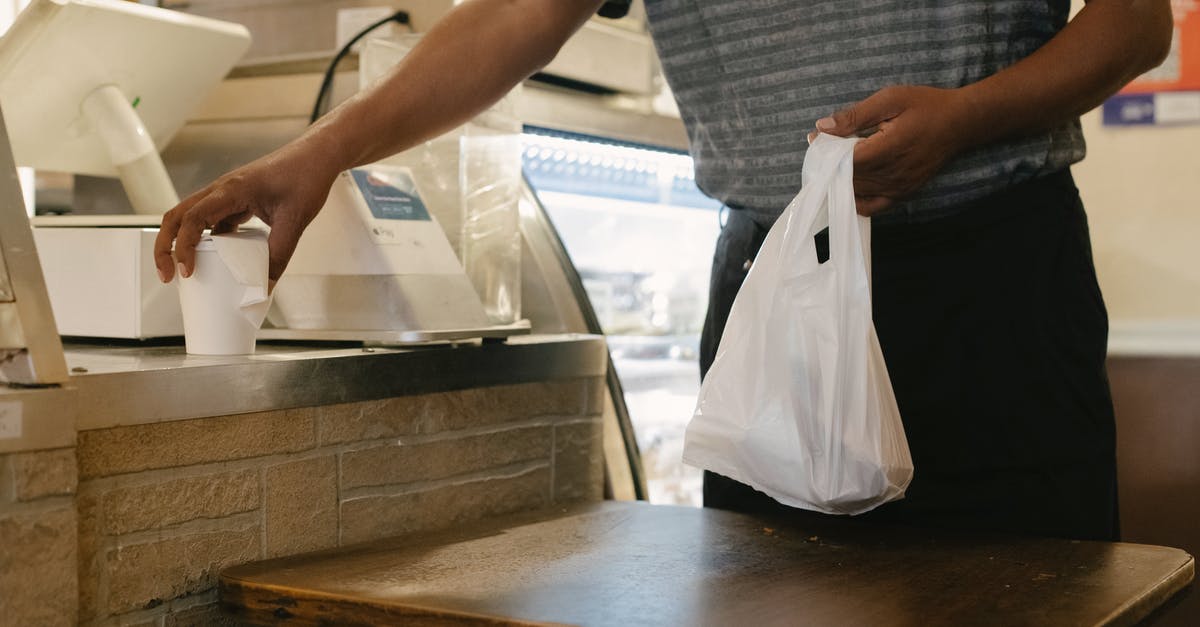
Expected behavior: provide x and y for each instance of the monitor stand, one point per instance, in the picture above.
(138, 164)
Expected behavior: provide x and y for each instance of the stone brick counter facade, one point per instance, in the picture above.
(38, 529)
(158, 510)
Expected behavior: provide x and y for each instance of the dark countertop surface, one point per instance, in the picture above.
(616, 563)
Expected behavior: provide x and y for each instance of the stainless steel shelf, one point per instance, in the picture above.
(121, 385)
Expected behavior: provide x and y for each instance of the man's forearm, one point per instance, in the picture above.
(464, 64)
(1109, 43)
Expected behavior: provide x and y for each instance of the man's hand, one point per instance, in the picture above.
(285, 189)
(910, 132)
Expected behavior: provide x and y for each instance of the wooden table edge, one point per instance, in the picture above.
(270, 603)
(266, 603)
(1144, 605)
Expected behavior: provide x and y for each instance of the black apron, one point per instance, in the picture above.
(994, 333)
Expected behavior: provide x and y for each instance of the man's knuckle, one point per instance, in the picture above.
(193, 220)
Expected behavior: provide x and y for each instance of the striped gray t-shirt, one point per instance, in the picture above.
(752, 77)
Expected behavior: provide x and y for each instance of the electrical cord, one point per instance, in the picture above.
(400, 17)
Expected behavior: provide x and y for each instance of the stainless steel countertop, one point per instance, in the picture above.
(122, 385)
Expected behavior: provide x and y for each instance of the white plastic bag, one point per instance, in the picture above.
(798, 403)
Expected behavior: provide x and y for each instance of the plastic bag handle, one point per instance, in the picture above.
(833, 168)
(847, 237)
(826, 156)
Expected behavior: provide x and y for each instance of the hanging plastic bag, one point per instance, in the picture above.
(798, 403)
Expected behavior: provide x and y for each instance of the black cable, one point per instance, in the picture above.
(400, 17)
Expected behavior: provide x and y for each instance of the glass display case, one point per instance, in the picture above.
(641, 236)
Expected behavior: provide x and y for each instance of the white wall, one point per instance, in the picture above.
(1141, 187)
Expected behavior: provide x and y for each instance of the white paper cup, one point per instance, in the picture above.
(214, 322)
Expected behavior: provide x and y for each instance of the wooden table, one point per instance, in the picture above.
(627, 564)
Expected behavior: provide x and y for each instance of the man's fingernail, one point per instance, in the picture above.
(182, 271)
(162, 276)
(826, 124)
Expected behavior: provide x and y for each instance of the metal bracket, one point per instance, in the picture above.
(30, 347)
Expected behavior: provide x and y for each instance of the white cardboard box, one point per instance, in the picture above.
(103, 283)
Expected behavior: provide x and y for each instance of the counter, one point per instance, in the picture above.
(624, 564)
(171, 385)
(151, 470)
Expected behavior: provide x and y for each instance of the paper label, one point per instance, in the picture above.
(10, 420)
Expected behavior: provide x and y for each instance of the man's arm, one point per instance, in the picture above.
(470, 59)
(1109, 43)
(465, 63)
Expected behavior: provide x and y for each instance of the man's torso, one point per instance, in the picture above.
(753, 76)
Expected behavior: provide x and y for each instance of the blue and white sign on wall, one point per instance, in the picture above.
(1165, 107)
